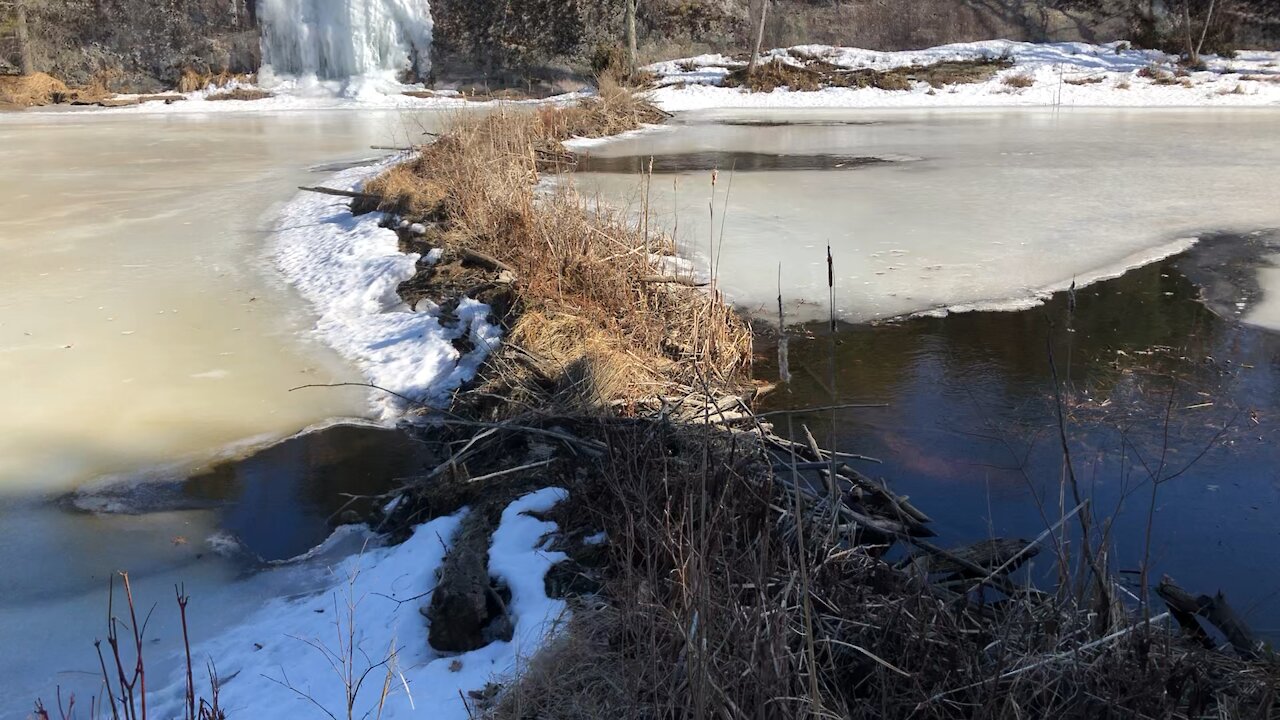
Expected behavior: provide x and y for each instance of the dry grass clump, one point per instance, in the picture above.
(32, 90)
(192, 80)
(589, 325)
(1018, 81)
(613, 110)
(776, 74)
(240, 93)
(960, 72)
(818, 73)
(1160, 76)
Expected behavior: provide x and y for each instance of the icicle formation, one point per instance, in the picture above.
(339, 39)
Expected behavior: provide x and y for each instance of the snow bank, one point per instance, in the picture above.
(280, 662)
(348, 268)
(1065, 74)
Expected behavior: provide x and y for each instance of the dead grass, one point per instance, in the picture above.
(32, 90)
(1020, 80)
(240, 93)
(817, 73)
(613, 110)
(1160, 76)
(776, 74)
(591, 327)
(192, 80)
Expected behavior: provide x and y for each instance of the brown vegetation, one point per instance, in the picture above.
(29, 90)
(817, 73)
(574, 287)
(239, 93)
(191, 80)
(1018, 81)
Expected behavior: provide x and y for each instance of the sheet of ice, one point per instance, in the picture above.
(1266, 312)
(1000, 209)
(349, 268)
(141, 321)
(1065, 75)
(376, 596)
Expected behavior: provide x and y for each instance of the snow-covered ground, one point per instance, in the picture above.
(289, 657)
(349, 268)
(1064, 74)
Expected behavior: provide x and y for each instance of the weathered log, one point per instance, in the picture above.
(1216, 610)
(342, 193)
(671, 280)
(1000, 583)
(1224, 617)
(986, 555)
(1184, 608)
(488, 262)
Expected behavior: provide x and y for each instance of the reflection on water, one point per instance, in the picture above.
(970, 430)
(286, 499)
(718, 160)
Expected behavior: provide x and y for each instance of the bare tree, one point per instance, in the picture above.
(1204, 32)
(632, 52)
(26, 65)
(759, 37)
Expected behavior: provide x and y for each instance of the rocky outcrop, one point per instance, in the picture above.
(141, 45)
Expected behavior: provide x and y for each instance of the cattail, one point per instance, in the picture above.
(784, 365)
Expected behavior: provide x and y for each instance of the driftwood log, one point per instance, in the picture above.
(1216, 610)
(342, 193)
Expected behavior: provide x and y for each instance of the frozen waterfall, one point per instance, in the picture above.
(341, 39)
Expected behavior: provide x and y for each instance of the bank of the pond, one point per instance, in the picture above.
(990, 73)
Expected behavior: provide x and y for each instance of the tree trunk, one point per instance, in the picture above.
(1192, 57)
(632, 51)
(26, 65)
(1204, 32)
(759, 38)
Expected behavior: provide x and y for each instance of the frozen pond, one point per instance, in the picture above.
(140, 320)
(963, 210)
(144, 332)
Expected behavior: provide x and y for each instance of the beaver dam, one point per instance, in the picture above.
(720, 561)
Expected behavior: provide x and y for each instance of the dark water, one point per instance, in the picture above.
(285, 499)
(721, 160)
(971, 432)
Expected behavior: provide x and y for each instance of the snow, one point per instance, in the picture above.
(1252, 78)
(348, 268)
(282, 660)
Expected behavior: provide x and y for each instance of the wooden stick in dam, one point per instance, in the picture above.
(671, 280)
(1184, 607)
